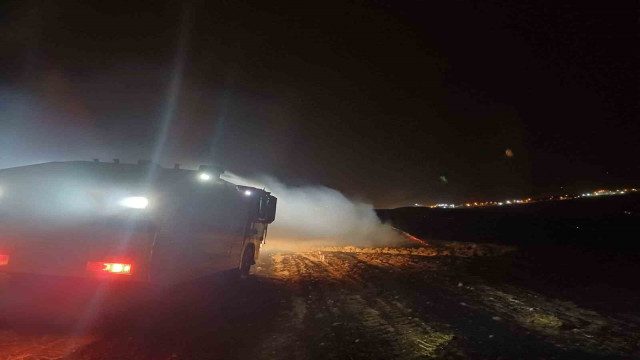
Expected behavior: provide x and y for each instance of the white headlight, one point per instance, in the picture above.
(204, 177)
(247, 192)
(135, 202)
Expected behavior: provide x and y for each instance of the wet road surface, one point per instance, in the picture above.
(331, 304)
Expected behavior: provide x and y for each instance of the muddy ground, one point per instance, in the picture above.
(340, 303)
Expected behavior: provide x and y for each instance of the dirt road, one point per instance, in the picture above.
(346, 304)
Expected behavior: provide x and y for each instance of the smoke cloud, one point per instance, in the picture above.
(320, 216)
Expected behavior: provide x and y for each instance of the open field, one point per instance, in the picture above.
(348, 303)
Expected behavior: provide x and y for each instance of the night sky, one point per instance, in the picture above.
(392, 102)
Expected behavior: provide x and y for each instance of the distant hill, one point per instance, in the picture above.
(603, 222)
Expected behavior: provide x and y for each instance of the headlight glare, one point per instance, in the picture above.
(135, 202)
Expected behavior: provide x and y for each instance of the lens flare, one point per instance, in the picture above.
(135, 202)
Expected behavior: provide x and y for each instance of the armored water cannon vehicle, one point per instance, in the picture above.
(119, 221)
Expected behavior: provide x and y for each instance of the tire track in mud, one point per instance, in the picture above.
(549, 322)
(562, 323)
(407, 335)
(344, 317)
(351, 305)
(392, 306)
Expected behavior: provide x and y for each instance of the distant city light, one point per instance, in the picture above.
(529, 200)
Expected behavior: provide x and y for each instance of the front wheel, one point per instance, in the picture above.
(247, 261)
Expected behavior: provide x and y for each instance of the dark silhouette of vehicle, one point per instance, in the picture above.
(121, 221)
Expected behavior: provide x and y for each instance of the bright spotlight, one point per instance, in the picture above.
(135, 202)
(247, 192)
(204, 177)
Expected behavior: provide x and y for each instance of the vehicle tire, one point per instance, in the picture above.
(247, 261)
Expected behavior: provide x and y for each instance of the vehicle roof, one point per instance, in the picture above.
(100, 170)
(145, 173)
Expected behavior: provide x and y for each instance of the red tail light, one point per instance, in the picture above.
(112, 268)
(4, 259)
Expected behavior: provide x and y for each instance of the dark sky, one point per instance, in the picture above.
(381, 100)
